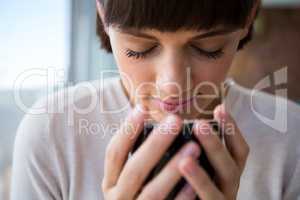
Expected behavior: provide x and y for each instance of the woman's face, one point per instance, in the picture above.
(171, 71)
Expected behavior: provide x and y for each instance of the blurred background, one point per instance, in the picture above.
(59, 37)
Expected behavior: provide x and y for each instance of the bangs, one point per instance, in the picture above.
(171, 15)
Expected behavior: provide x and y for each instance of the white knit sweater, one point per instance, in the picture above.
(60, 154)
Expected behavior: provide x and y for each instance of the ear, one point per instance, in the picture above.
(101, 13)
(251, 18)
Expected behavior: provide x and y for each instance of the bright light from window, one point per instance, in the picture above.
(33, 34)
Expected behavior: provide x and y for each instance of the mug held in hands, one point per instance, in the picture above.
(185, 136)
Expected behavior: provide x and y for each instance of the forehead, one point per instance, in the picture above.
(181, 33)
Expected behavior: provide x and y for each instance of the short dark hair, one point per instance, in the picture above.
(171, 15)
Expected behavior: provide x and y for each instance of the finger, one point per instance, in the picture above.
(186, 193)
(120, 145)
(199, 180)
(148, 154)
(225, 167)
(169, 176)
(235, 142)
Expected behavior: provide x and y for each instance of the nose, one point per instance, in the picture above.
(173, 77)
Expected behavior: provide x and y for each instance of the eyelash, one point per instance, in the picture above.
(137, 55)
(211, 55)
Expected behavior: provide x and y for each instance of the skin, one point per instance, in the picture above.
(164, 70)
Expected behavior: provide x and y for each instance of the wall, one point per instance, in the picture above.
(276, 44)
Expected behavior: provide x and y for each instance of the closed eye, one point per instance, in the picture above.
(137, 54)
(209, 54)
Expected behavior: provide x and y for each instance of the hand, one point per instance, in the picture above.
(124, 177)
(228, 162)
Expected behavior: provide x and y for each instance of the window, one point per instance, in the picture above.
(33, 35)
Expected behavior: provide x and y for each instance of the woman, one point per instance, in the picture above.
(169, 54)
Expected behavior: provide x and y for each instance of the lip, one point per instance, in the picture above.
(171, 105)
(176, 102)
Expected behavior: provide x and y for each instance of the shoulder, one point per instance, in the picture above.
(270, 125)
(59, 113)
(33, 129)
(258, 109)
(59, 130)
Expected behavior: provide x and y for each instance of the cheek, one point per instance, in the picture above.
(214, 71)
(211, 74)
(137, 71)
(136, 75)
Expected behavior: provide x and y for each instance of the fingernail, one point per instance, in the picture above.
(191, 150)
(222, 112)
(138, 109)
(217, 115)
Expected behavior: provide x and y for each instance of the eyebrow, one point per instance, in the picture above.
(216, 32)
(137, 33)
